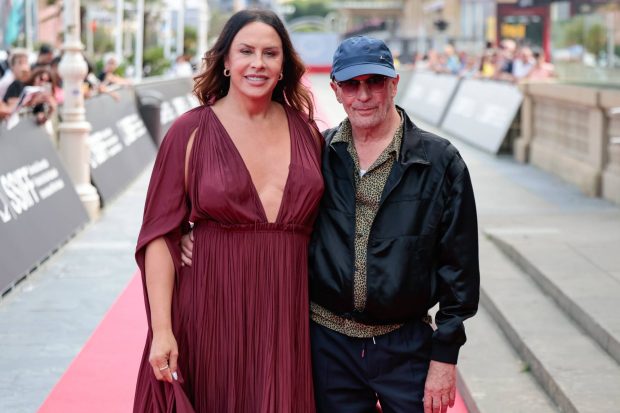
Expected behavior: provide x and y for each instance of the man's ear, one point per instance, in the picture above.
(335, 89)
(395, 85)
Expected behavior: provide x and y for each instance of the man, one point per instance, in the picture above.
(107, 76)
(523, 64)
(18, 62)
(18, 59)
(4, 111)
(45, 57)
(396, 233)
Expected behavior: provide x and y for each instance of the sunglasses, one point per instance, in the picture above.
(375, 84)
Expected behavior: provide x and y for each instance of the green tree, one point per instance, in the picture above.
(305, 8)
(595, 39)
(154, 59)
(190, 41)
(574, 33)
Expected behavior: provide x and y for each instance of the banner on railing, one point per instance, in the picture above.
(175, 95)
(39, 208)
(120, 146)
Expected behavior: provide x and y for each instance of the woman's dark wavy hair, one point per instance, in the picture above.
(212, 85)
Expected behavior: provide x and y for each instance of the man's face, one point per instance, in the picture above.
(111, 65)
(367, 99)
(45, 58)
(21, 68)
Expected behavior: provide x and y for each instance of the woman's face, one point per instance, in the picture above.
(42, 79)
(255, 61)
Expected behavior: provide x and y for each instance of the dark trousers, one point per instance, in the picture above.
(351, 374)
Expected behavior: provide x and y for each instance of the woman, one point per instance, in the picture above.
(542, 70)
(245, 169)
(43, 78)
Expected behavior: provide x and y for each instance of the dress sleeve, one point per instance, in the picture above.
(167, 206)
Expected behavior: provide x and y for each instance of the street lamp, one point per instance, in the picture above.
(74, 128)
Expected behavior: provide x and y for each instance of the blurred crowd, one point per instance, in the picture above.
(34, 85)
(507, 62)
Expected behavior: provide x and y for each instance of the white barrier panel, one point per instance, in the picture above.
(482, 111)
(428, 95)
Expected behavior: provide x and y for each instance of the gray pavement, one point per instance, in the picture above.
(46, 320)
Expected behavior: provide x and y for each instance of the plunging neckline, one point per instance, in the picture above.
(255, 194)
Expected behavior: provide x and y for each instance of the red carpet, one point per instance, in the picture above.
(102, 378)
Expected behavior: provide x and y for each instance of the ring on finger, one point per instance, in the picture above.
(164, 368)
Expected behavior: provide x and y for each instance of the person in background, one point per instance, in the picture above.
(523, 64)
(4, 64)
(4, 111)
(45, 57)
(108, 77)
(21, 72)
(470, 68)
(505, 60)
(19, 59)
(453, 62)
(542, 70)
(181, 67)
(489, 65)
(59, 94)
(43, 78)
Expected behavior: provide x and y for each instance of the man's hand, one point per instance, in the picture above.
(187, 246)
(4, 112)
(440, 388)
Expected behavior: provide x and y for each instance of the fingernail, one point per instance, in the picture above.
(175, 376)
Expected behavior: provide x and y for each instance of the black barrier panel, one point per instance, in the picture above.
(176, 95)
(482, 111)
(39, 208)
(428, 95)
(120, 146)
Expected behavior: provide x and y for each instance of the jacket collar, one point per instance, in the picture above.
(412, 149)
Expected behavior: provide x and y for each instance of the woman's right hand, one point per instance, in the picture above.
(164, 355)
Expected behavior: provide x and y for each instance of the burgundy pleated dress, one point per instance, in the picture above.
(240, 312)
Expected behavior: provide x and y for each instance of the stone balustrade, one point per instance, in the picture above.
(573, 132)
(610, 101)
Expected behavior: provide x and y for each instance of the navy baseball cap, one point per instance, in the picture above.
(362, 55)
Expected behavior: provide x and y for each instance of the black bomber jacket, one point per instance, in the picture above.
(423, 244)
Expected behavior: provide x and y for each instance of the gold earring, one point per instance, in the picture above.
(227, 72)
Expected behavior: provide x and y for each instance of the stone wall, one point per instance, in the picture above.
(610, 101)
(569, 131)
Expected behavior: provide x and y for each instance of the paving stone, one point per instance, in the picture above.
(577, 374)
(582, 288)
(493, 378)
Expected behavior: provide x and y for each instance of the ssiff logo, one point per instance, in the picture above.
(25, 187)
